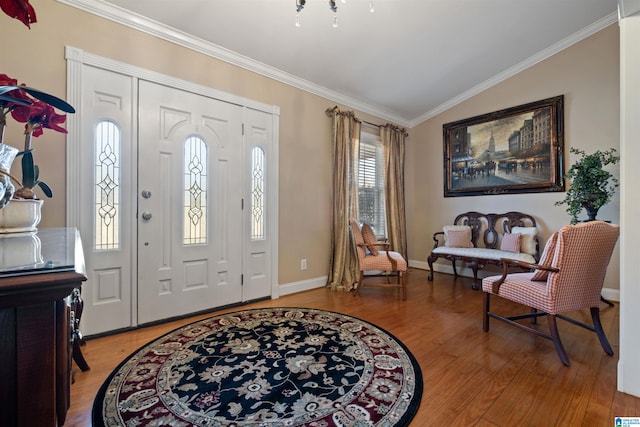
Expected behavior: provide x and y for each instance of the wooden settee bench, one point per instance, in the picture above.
(486, 241)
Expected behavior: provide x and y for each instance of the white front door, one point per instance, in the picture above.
(176, 201)
(190, 186)
(106, 204)
(258, 236)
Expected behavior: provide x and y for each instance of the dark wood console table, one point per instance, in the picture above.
(38, 271)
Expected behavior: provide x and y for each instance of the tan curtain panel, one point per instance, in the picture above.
(344, 269)
(393, 143)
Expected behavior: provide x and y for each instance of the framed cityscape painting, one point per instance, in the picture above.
(516, 150)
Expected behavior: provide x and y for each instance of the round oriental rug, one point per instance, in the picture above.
(268, 367)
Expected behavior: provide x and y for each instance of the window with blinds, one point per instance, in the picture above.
(371, 184)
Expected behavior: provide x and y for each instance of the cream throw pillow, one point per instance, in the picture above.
(527, 240)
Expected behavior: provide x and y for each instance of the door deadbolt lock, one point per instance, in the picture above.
(146, 216)
(146, 194)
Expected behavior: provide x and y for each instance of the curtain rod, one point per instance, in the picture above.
(381, 126)
(329, 111)
(372, 124)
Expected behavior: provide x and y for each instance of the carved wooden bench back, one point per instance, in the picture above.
(487, 225)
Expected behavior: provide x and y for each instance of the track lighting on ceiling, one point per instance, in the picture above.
(300, 4)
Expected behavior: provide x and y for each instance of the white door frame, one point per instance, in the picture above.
(76, 58)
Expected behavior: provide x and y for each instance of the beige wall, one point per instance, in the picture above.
(36, 57)
(587, 74)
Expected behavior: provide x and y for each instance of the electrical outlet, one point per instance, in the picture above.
(303, 264)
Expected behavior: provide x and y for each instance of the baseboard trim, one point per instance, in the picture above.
(608, 293)
(301, 286)
(611, 294)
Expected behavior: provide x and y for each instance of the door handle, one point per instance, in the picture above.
(146, 216)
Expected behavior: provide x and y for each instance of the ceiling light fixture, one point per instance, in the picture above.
(300, 4)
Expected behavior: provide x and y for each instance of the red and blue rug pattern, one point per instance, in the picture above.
(265, 367)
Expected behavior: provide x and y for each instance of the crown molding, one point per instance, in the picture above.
(518, 68)
(140, 23)
(627, 8)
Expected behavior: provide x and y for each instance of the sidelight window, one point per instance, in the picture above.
(257, 194)
(107, 186)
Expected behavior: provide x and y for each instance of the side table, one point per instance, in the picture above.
(38, 273)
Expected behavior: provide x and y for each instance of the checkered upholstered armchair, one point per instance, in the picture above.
(569, 276)
(375, 259)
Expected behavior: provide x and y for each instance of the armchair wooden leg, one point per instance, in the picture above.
(597, 325)
(555, 337)
(485, 317)
(606, 301)
(359, 284)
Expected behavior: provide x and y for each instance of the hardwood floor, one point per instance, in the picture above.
(506, 377)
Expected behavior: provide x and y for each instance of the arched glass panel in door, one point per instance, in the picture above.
(195, 191)
(107, 142)
(257, 194)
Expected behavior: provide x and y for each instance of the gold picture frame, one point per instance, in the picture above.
(516, 150)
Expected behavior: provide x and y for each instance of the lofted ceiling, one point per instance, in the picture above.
(406, 62)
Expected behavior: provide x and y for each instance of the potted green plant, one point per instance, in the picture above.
(36, 110)
(36, 113)
(591, 185)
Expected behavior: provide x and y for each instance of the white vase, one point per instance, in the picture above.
(20, 215)
(7, 155)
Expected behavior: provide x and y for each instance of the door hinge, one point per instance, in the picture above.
(243, 129)
(242, 204)
(241, 279)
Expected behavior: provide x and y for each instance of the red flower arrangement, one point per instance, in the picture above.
(36, 113)
(19, 9)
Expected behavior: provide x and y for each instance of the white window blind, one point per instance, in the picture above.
(371, 184)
